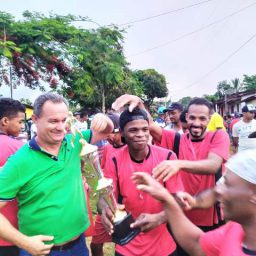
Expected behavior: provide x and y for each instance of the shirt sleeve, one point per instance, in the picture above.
(87, 135)
(167, 139)
(212, 240)
(10, 181)
(220, 144)
(235, 130)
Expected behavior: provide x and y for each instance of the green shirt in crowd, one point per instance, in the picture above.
(49, 190)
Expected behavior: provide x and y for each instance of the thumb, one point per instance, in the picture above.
(121, 206)
(46, 238)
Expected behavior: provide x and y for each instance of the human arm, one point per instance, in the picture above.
(147, 221)
(133, 102)
(34, 244)
(184, 231)
(235, 137)
(203, 200)
(168, 168)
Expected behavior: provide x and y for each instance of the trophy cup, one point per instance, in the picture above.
(123, 234)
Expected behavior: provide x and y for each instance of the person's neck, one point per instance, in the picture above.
(139, 155)
(247, 120)
(50, 148)
(249, 240)
(2, 131)
(176, 126)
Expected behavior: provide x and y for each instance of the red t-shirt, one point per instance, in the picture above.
(233, 122)
(157, 241)
(226, 240)
(215, 142)
(8, 146)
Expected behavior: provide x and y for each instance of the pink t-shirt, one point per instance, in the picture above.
(158, 241)
(226, 240)
(108, 151)
(215, 142)
(8, 146)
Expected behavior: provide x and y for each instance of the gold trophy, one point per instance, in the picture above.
(123, 234)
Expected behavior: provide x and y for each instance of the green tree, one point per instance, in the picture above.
(152, 83)
(222, 87)
(249, 82)
(185, 101)
(236, 85)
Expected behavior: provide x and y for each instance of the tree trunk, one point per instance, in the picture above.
(103, 100)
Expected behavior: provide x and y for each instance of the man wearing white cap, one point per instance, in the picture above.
(237, 196)
(244, 128)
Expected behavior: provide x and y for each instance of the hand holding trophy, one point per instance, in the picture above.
(123, 234)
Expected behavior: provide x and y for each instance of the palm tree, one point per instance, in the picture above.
(236, 85)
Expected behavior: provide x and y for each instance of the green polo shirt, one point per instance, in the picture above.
(49, 190)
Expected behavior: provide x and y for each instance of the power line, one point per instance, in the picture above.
(164, 13)
(220, 64)
(193, 32)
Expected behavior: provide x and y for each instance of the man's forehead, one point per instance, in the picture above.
(198, 109)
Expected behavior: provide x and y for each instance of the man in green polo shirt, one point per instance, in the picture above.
(45, 177)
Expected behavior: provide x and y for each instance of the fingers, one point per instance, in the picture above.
(139, 222)
(107, 218)
(45, 238)
(163, 171)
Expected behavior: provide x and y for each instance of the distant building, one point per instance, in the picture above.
(234, 102)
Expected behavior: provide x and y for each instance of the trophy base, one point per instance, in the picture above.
(123, 234)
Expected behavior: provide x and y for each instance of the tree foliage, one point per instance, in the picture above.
(249, 82)
(152, 83)
(88, 66)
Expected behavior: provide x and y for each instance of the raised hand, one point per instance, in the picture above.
(127, 99)
(148, 184)
(185, 200)
(102, 124)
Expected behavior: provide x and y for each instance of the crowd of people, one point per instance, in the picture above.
(176, 178)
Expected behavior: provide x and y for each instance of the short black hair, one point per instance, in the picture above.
(136, 114)
(10, 108)
(201, 101)
(183, 116)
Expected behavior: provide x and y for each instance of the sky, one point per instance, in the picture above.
(194, 43)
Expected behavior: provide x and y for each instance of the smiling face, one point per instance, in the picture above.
(198, 117)
(235, 196)
(136, 134)
(50, 124)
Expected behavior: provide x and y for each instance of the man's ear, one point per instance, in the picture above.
(34, 118)
(253, 199)
(5, 121)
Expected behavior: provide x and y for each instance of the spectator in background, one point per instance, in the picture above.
(12, 119)
(244, 128)
(183, 121)
(160, 120)
(83, 124)
(216, 121)
(234, 121)
(174, 111)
